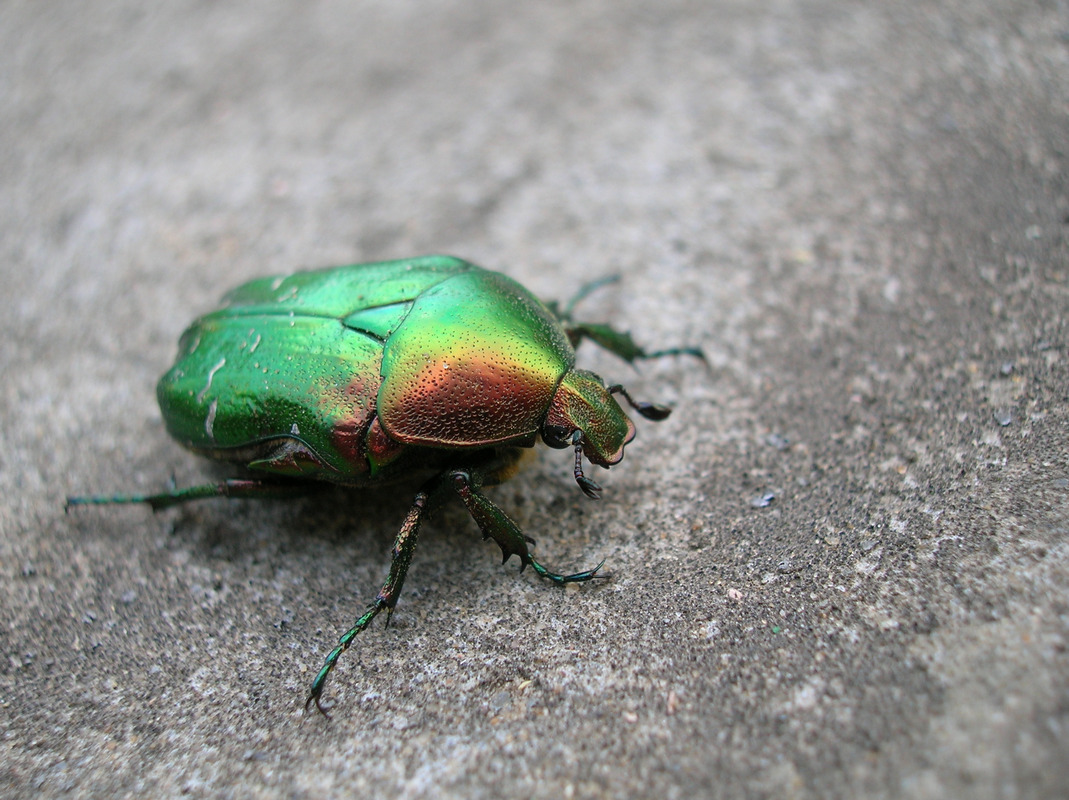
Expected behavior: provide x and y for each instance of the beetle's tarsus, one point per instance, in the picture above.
(590, 488)
(577, 577)
(314, 698)
(677, 351)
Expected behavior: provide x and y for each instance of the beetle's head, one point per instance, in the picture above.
(585, 415)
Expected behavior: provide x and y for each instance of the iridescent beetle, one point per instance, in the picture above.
(372, 373)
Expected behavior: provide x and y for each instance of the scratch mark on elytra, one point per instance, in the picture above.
(208, 385)
(209, 421)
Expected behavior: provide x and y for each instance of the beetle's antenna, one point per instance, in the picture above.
(590, 487)
(648, 410)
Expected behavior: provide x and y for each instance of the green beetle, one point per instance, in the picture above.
(373, 373)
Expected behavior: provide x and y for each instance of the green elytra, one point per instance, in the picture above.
(372, 373)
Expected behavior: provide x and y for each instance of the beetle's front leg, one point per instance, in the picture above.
(495, 524)
(403, 548)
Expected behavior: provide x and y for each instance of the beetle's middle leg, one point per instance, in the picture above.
(403, 548)
(496, 524)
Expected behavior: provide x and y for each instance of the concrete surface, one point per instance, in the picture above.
(859, 210)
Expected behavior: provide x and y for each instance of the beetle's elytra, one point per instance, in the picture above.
(369, 373)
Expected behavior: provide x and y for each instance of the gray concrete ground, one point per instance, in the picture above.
(858, 209)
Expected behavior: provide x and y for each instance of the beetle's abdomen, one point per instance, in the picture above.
(284, 393)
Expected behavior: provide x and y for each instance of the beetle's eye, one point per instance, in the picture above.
(556, 436)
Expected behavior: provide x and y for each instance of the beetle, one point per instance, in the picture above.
(374, 373)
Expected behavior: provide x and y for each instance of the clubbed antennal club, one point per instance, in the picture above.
(652, 411)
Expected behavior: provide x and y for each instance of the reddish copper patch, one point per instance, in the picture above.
(348, 411)
(469, 403)
(475, 363)
(381, 449)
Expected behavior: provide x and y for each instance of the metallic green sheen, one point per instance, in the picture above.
(340, 292)
(244, 386)
(476, 348)
(289, 375)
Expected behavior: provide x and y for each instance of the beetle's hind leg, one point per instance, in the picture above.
(403, 548)
(234, 487)
(495, 524)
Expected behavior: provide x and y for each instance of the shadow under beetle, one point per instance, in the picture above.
(372, 373)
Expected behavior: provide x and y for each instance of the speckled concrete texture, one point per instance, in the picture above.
(839, 570)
